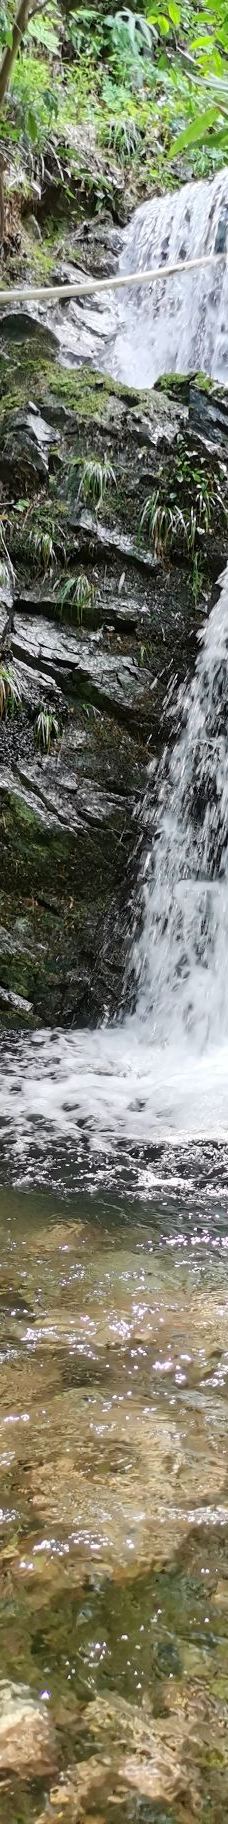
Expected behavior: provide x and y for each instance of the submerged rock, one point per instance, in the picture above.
(26, 1737)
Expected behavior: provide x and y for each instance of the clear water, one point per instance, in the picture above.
(114, 1519)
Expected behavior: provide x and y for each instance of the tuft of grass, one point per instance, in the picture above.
(46, 729)
(163, 523)
(171, 526)
(10, 693)
(96, 477)
(40, 546)
(123, 137)
(78, 592)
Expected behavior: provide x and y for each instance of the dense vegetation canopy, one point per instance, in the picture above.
(153, 82)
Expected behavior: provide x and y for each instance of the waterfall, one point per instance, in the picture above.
(179, 325)
(182, 955)
(160, 1075)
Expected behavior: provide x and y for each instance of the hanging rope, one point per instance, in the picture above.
(86, 288)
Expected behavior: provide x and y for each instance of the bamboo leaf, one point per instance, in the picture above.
(195, 132)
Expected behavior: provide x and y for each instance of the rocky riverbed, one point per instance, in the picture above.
(113, 1532)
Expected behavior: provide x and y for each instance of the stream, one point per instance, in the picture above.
(113, 1288)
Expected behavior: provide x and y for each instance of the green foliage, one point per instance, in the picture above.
(46, 729)
(165, 524)
(32, 100)
(96, 477)
(78, 593)
(40, 546)
(36, 535)
(43, 29)
(172, 526)
(10, 693)
(153, 80)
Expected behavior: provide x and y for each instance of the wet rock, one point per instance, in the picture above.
(26, 1738)
(208, 410)
(65, 822)
(26, 443)
(100, 245)
(16, 1003)
(103, 632)
(6, 584)
(93, 535)
(18, 324)
(113, 680)
(35, 687)
(139, 1760)
(6, 602)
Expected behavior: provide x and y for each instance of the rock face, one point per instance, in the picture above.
(109, 592)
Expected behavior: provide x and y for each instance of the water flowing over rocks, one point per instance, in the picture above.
(177, 325)
(99, 624)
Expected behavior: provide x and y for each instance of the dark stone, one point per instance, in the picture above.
(208, 411)
(85, 668)
(16, 325)
(25, 444)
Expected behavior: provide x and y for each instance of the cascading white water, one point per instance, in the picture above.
(163, 1073)
(178, 325)
(182, 957)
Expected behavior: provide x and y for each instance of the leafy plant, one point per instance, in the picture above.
(10, 693)
(202, 497)
(46, 729)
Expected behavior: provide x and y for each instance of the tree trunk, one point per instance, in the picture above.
(10, 53)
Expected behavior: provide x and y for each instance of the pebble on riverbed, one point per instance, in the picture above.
(27, 1744)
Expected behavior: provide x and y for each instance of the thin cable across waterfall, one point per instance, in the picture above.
(177, 327)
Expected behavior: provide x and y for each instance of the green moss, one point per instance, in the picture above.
(175, 384)
(81, 390)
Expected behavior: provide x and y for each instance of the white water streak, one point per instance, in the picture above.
(181, 324)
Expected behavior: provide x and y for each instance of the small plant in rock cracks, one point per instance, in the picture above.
(10, 692)
(163, 523)
(96, 477)
(46, 729)
(172, 526)
(79, 593)
(41, 547)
